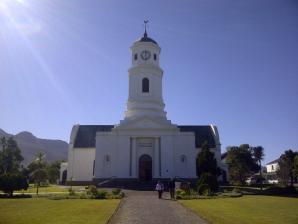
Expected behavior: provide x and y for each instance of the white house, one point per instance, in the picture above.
(145, 145)
(271, 168)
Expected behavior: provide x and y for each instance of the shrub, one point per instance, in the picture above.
(207, 184)
(204, 189)
(236, 190)
(71, 192)
(101, 194)
(16, 196)
(12, 182)
(121, 195)
(92, 190)
(231, 195)
(277, 190)
(116, 191)
(83, 196)
(180, 193)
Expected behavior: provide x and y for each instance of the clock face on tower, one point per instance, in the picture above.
(145, 55)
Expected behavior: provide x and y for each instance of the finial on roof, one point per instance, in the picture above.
(145, 22)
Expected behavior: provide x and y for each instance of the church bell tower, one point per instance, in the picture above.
(145, 81)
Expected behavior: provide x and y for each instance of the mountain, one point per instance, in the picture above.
(31, 145)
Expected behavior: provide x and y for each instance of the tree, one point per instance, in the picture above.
(287, 166)
(296, 166)
(206, 162)
(207, 169)
(11, 182)
(53, 171)
(241, 163)
(10, 156)
(38, 171)
(258, 154)
(11, 176)
(284, 169)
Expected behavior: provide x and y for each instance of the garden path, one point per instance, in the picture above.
(145, 207)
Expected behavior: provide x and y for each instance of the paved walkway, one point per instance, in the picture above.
(144, 207)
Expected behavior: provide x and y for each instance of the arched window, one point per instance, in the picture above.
(183, 158)
(136, 57)
(145, 85)
(107, 158)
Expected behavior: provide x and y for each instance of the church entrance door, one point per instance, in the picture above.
(145, 168)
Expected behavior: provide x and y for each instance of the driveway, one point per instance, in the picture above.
(144, 207)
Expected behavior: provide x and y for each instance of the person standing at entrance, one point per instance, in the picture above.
(159, 187)
(172, 188)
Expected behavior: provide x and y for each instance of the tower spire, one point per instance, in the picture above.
(145, 23)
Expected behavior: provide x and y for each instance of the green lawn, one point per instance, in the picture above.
(46, 211)
(246, 209)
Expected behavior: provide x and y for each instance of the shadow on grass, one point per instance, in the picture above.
(278, 191)
(16, 196)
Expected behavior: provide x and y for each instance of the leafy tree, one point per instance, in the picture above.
(38, 162)
(206, 162)
(39, 176)
(207, 169)
(53, 171)
(258, 154)
(10, 156)
(38, 170)
(11, 177)
(284, 169)
(296, 166)
(10, 182)
(241, 163)
(287, 166)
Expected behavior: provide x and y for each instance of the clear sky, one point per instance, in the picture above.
(229, 63)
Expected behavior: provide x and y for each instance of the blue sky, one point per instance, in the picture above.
(229, 63)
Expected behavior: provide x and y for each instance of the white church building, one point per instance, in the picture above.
(145, 145)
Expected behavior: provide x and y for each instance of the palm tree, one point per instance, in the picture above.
(258, 154)
(38, 169)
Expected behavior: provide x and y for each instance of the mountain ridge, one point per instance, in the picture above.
(30, 145)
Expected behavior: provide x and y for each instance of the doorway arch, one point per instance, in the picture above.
(145, 168)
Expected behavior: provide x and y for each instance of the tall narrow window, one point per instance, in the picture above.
(93, 167)
(154, 57)
(136, 57)
(145, 85)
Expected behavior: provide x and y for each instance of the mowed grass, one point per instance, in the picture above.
(46, 211)
(246, 209)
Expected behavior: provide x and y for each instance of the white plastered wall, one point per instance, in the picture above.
(184, 146)
(80, 165)
(272, 167)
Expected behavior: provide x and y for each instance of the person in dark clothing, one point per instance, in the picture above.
(172, 188)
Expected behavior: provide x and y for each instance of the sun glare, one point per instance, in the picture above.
(5, 5)
(20, 22)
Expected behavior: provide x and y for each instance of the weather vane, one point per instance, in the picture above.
(145, 23)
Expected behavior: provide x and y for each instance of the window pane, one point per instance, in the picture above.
(145, 85)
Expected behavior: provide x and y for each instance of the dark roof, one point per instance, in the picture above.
(224, 155)
(87, 133)
(145, 38)
(202, 133)
(274, 161)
